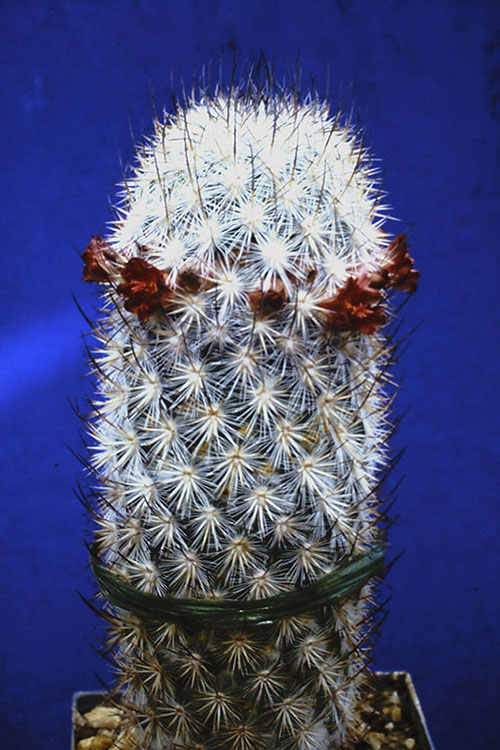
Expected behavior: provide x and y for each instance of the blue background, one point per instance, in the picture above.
(424, 80)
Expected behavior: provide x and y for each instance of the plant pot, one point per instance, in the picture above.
(390, 691)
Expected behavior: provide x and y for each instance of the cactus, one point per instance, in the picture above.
(239, 432)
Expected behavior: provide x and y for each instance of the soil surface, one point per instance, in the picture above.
(390, 718)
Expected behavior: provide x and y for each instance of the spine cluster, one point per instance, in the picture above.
(240, 427)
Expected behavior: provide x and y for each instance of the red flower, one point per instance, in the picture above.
(269, 302)
(356, 306)
(100, 261)
(399, 271)
(145, 289)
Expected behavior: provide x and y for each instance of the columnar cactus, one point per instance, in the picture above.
(240, 426)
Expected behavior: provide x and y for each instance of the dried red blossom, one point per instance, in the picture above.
(373, 281)
(270, 301)
(356, 306)
(100, 261)
(189, 282)
(144, 288)
(398, 270)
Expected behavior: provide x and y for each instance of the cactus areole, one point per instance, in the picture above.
(239, 431)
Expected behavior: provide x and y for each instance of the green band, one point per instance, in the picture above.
(221, 614)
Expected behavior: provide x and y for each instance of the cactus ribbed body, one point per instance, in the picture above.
(238, 437)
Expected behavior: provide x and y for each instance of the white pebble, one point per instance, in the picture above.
(104, 717)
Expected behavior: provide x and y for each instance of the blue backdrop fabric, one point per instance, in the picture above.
(424, 79)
